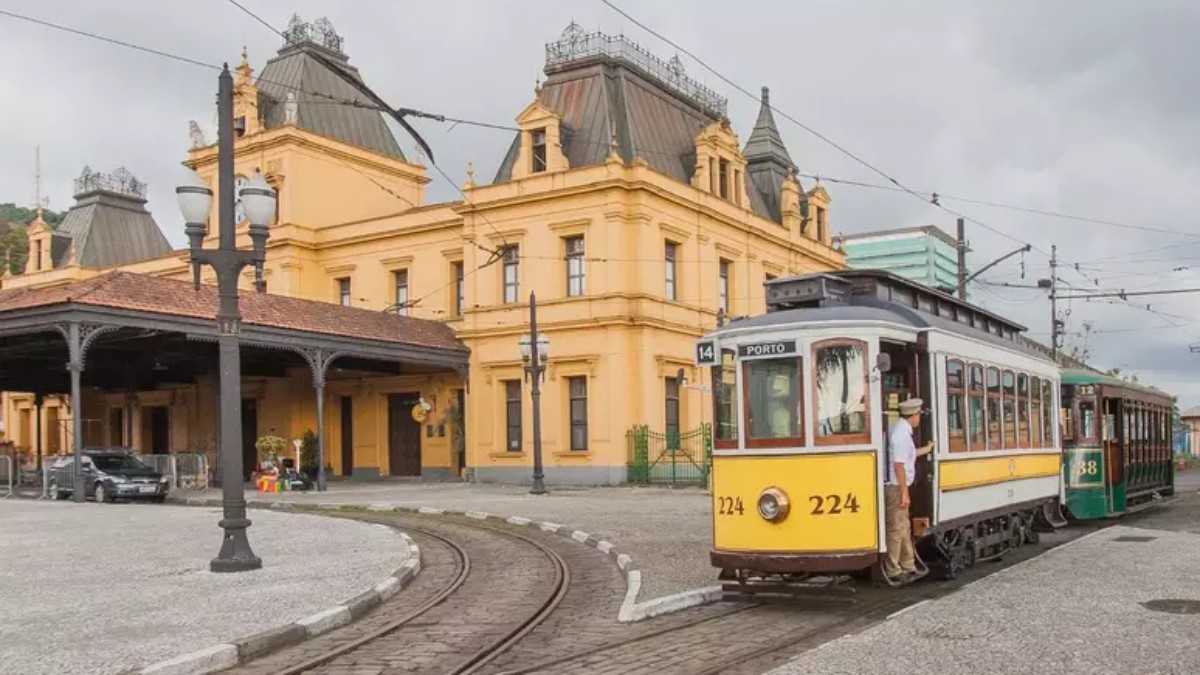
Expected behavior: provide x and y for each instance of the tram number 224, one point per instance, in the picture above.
(828, 505)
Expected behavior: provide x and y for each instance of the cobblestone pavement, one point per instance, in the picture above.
(667, 532)
(1073, 611)
(99, 588)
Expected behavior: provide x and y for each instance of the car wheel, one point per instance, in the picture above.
(159, 500)
(101, 494)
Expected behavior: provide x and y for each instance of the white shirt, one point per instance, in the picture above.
(901, 450)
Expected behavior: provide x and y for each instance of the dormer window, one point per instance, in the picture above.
(723, 178)
(539, 150)
(40, 266)
(821, 223)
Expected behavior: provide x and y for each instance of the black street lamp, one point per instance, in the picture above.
(195, 201)
(535, 351)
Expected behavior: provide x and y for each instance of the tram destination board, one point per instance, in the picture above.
(773, 348)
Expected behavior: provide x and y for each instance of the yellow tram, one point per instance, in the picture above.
(803, 398)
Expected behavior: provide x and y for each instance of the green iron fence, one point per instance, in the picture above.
(672, 458)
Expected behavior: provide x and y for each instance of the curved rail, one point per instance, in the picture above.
(562, 580)
(464, 569)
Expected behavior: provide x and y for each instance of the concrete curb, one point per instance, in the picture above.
(226, 655)
(631, 610)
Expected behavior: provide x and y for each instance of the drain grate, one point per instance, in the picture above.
(1173, 606)
(1133, 538)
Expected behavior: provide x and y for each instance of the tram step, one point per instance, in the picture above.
(798, 588)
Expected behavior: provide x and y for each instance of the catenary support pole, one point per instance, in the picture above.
(962, 259)
(1054, 332)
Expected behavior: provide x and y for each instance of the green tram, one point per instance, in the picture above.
(1116, 445)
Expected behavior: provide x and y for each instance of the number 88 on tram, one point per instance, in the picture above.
(804, 396)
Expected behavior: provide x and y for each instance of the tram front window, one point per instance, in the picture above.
(773, 388)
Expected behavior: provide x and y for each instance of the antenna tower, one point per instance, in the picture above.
(39, 202)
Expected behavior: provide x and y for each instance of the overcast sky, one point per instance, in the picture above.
(1082, 107)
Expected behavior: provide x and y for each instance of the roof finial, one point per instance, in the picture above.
(245, 56)
(766, 95)
(470, 174)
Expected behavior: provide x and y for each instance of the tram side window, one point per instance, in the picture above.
(1048, 412)
(1010, 410)
(976, 424)
(726, 395)
(1087, 420)
(1023, 410)
(841, 392)
(773, 405)
(1035, 414)
(956, 403)
(993, 409)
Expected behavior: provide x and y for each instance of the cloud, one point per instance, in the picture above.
(1081, 107)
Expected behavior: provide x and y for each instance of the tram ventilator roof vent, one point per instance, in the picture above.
(810, 290)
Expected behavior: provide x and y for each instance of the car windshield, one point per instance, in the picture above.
(116, 462)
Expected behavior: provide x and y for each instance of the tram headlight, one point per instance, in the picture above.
(773, 504)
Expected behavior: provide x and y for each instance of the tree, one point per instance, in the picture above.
(14, 236)
(11, 213)
(1082, 351)
(14, 249)
(1128, 377)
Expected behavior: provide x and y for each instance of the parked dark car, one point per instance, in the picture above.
(109, 474)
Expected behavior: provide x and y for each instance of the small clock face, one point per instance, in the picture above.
(239, 211)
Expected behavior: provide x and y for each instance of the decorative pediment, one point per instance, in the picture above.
(818, 193)
(535, 113)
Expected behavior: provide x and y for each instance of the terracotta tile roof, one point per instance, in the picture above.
(139, 292)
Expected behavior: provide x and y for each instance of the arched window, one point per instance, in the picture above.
(1009, 382)
(977, 422)
(1023, 427)
(994, 435)
(956, 399)
(1035, 413)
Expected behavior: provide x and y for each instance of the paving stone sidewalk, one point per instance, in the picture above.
(667, 532)
(99, 588)
(1080, 608)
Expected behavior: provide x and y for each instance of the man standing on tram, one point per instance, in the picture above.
(902, 454)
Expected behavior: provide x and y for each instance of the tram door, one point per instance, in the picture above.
(1116, 452)
(908, 378)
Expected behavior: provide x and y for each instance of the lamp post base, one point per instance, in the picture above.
(539, 487)
(235, 554)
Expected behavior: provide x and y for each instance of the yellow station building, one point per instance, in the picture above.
(626, 202)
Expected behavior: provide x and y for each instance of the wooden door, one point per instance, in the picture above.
(347, 436)
(249, 436)
(404, 436)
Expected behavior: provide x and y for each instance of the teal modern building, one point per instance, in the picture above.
(924, 254)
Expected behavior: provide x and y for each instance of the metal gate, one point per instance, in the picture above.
(671, 458)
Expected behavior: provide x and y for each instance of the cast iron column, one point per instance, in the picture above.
(539, 485)
(235, 554)
(75, 349)
(38, 399)
(320, 432)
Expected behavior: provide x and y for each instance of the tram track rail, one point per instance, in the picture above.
(561, 579)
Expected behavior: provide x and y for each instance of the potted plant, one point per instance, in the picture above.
(270, 447)
(308, 455)
(458, 434)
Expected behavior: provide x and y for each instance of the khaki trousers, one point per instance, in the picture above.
(900, 559)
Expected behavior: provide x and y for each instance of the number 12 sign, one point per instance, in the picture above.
(706, 354)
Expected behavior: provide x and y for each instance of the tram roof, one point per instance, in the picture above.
(878, 295)
(1076, 376)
